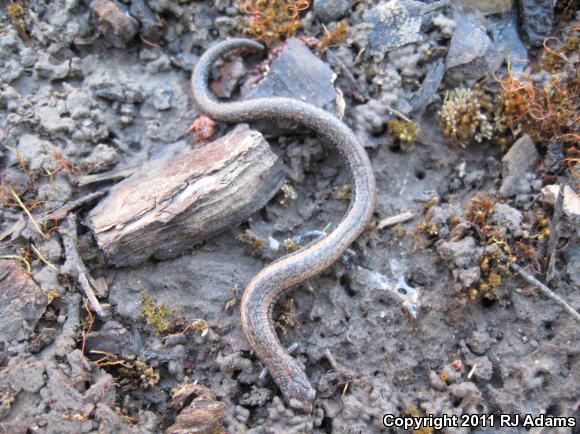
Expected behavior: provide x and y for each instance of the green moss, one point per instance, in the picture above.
(155, 315)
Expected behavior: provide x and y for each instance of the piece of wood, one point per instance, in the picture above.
(169, 205)
(22, 302)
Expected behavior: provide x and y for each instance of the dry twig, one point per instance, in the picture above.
(75, 263)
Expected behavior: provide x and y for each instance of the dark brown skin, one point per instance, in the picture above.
(261, 293)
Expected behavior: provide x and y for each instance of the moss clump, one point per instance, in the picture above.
(335, 36)
(271, 21)
(462, 117)
(403, 130)
(17, 12)
(156, 315)
(548, 110)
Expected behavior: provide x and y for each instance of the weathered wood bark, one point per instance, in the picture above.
(22, 302)
(170, 205)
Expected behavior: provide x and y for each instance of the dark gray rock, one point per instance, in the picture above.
(109, 85)
(314, 83)
(393, 26)
(103, 158)
(520, 159)
(113, 338)
(330, 10)
(504, 32)
(487, 7)
(460, 253)
(471, 54)
(479, 342)
(509, 217)
(536, 20)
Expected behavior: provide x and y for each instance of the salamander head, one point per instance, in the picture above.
(297, 390)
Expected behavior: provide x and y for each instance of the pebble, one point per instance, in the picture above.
(519, 160)
(330, 10)
(536, 20)
(479, 342)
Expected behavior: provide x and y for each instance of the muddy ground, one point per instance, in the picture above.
(86, 92)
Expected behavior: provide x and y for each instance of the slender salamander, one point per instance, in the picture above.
(261, 293)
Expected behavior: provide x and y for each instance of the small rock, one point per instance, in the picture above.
(103, 158)
(47, 69)
(162, 98)
(152, 26)
(460, 253)
(54, 120)
(436, 382)
(470, 276)
(521, 158)
(47, 279)
(572, 256)
(230, 75)
(536, 20)
(314, 84)
(466, 390)
(504, 32)
(471, 52)
(38, 153)
(571, 205)
(113, 338)
(393, 26)
(537, 372)
(330, 10)
(511, 218)
(487, 7)
(479, 342)
(484, 369)
(114, 22)
(112, 87)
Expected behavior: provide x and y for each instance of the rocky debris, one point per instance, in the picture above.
(162, 98)
(468, 392)
(114, 22)
(114, 87)
(22, 302)
(487, 7)
(39, 154)
(461, 253)
(572, 255)
(520, 159)
(48, 390)
(571, 204)
(508, 217)
(479, 342)
(204, 414)
(504, 32)
(536, 20)
(423, 97)
(47, 69)
(314, 84)
(282, 419)
(152, 26)
(54, 119)
(472, 53)
(391, 26)
(230, 75)
(330, 10)
(172, 204)
(113, 421)
(114, 339)
(102, 158)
